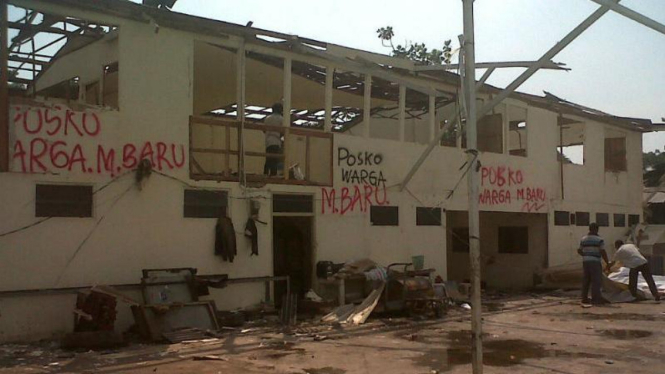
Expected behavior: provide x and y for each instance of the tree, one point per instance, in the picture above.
(654, 168)
(417, 52)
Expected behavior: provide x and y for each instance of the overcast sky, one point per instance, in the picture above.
(618, 65)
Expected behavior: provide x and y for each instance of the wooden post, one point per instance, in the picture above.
(308, 157)
(402, 110)
(330, 72)
(367, 105)
(287, 113)
(4, 88)
(560, 123)
(240, 109)
(432, 117)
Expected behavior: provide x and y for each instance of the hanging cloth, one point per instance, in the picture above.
(225, 239)
(252, 233)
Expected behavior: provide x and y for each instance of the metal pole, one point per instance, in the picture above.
(473, 183)
(4, 88)
(545, 59)
(635, 16)
(367, 106)
(328, 100)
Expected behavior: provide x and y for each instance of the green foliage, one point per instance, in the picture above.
(417, 52)
(654, 168)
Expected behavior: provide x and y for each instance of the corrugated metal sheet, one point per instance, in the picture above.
(657, 198)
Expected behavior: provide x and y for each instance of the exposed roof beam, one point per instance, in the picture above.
(19, 80)
(27, 31)
(489, 65)
(27, 60)
(635, 16)
(533, 68)
(367, 70)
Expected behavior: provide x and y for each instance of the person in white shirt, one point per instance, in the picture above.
(629, 256)
(273, 140)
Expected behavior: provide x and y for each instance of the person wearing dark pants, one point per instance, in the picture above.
(273, 141)
(629, 256)
(272, 163)
(592, 249)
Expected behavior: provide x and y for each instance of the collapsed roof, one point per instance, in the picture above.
(48, 37)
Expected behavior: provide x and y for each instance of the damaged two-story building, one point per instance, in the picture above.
(144, 126)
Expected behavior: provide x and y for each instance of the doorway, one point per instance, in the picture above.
(292, 254)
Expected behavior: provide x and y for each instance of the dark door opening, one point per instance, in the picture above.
(292, 254)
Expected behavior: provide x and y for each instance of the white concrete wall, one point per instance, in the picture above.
(132, 229)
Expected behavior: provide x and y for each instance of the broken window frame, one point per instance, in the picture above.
(68, 90)
(523, 151)
(96, 86)
(561, 156)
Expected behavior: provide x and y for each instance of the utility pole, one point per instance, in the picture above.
(469, 82)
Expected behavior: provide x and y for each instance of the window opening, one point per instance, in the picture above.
(428, 216)
(384, 215)
(205, 203)
(63, 200)
(571, 141)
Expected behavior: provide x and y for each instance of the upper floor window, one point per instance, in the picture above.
(110, 85)
(517, 131)
(615, 154)
(67, 90)
(571, 141)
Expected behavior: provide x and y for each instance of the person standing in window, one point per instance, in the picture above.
(273, 140)
(592, 249)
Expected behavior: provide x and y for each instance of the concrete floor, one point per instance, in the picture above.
(535, 334)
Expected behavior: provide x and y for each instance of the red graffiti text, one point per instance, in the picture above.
(352, 199)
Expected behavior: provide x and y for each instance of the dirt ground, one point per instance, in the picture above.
(525, 334)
